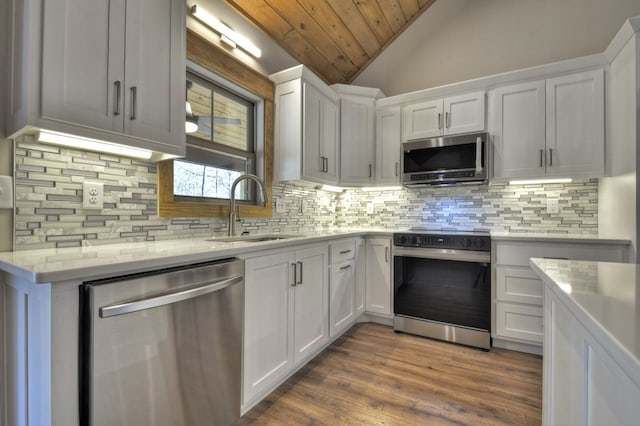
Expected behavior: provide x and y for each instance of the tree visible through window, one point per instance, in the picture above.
(223, 146)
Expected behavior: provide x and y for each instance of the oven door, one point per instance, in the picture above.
(445, 286)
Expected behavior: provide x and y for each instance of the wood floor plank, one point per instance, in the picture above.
(374, 376)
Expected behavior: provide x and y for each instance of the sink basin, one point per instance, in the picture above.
(254, 238)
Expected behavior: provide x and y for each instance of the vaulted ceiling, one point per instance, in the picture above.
(335, 38)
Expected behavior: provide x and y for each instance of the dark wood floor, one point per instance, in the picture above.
(372, 375)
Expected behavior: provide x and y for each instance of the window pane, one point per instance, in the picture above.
(200, 98)
(206, 181)
(230, 122)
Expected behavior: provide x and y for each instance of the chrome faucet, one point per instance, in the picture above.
(232, 200)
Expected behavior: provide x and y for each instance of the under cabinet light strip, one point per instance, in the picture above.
(539, 181)
(218, 26)
(87, 144)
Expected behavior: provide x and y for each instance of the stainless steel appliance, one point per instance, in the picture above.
(164, 347)
(447, 160)
(442, 286)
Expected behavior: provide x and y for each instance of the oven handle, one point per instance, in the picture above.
(443, 254)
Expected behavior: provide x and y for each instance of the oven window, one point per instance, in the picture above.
(451, 157)
(447, 291)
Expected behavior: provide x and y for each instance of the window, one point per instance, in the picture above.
(221, 149)
(212, 65)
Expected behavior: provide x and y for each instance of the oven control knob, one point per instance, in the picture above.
(478, 243)
(415, 240)
(466, 242)
(403, 240)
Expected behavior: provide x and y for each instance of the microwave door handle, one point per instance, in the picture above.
(478, 154)
(167, 299)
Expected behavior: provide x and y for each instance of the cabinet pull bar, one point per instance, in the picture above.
(447, 119)
(396, 169)
(550, 157)
(299, 282)
(439, 120)
(370, 170)
(134, 102)
(541, 155)
(345, 251)
(344, 268)
(116, 106)
(386, 254)
(295, 274)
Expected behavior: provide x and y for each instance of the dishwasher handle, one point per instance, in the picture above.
(167, 299)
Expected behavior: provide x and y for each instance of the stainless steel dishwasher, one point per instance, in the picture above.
(164, 347)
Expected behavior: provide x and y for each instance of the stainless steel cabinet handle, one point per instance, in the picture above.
(386, 254)
(345, 251)
(116, 107)
(447, 119)
(396, 169)
(370, 170)
(134, 102)
(295, 274)
(344, 268)
(299, 282)
(167, 299)
(439, 120)
(550, 157)
(322, 164)
(326, 167)
(541, 155)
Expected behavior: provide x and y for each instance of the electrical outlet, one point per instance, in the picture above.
(92, 195)
(6, 192)
(369, 208)
(280, 207)
(552, 205)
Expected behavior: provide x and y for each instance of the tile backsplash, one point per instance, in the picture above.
(49, 210)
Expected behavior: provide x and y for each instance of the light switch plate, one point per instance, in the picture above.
(92, 195)
(552, 205)
(369, 208)
(6, 192)
(280, 206)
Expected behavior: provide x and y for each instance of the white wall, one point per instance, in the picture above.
(456, 40)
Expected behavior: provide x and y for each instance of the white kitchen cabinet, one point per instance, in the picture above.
(357, 134)
(582, 383)
(113, 71)
(286, 316)
(306, 141)
(378, 277)
(549, 128)
(346, 286)
(517, 291)
(361, 278)
(388, 135)
(449, 116)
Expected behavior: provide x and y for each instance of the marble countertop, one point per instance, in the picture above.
(604, 297)
(97, 261)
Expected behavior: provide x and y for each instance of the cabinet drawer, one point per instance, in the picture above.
(518, 284)
(518, 254)
(342, 250)
(521, 322)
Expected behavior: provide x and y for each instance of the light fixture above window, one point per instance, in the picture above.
(227, 35)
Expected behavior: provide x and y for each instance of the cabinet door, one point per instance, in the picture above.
(268, 324)
(357, 144)
(330, 140)
(523, 322)
(518, 130)
(361, 279)
(311, 318)
(342, 298)
(388, 146)
(464, 113)
(83, 62)
(378, 295)
(314, 159)
(575, 125)
(422, 120)
(155, 66)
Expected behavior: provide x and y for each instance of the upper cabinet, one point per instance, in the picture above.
(449, 116)
(549, 128)
(112, 71)
(357, 134)
(388, 123)
(306, 141)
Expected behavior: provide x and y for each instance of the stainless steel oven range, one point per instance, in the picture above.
(442, 286)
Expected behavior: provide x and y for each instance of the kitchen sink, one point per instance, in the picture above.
(254, 238)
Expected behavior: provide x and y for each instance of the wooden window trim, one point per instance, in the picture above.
(220, 62)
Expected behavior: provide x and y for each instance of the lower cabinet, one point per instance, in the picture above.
(342, 285)
(582, 383)
(517, 293)
(378, 277)
(286, 315)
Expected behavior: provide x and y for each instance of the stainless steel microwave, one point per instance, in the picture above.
(449, 160)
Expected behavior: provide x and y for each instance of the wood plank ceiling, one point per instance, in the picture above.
(336, 39)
